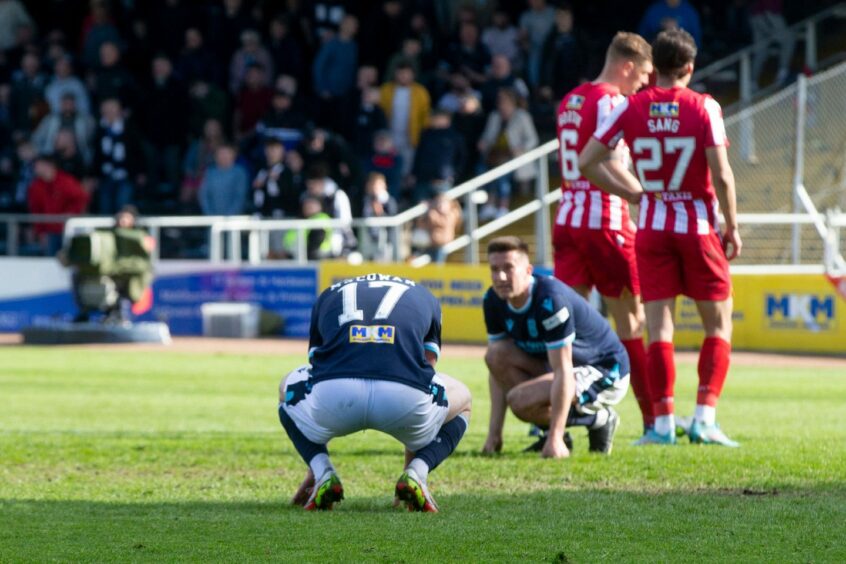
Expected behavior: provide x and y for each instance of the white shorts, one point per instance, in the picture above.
(597, 389)
(341, 406)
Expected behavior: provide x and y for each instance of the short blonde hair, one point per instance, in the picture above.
(629, 46)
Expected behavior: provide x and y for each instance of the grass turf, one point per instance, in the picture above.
(168, 456)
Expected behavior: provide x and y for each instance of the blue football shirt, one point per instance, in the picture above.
(555, 316)
(375, 326)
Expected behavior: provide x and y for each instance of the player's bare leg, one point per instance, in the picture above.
(713, 369)
(509, 366)
(629, 321)
(661, 368)
(312, 494)
(411, 487)
(583, 290)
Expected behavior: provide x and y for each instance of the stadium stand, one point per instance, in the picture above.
(136, 100)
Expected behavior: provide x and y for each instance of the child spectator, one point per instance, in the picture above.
(378, 203)
(385, 160)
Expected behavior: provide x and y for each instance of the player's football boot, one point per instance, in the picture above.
(653, 437)
(327, 492)
(602, 439)
(538, 445)
(412, 491)
(683, 426)
(710, 435)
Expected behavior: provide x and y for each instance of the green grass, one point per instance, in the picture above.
(168, 456)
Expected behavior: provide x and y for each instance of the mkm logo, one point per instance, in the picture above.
(372, 334)
(801, 311)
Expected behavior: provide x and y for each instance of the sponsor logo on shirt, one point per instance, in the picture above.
(664, 109)
(674, 196)
(575, 102)
(382, 334)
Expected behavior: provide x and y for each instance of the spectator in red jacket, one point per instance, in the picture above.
(54, 192)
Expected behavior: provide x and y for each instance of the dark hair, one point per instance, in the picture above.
(48, 158)
(404, 64)
(508, 243)
(672, 50)
(128, 208)
(317, 171)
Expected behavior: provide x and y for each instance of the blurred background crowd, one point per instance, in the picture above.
(297, 108)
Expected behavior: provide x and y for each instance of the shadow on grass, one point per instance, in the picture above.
(554, 525)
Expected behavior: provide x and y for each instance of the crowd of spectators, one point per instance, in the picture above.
(296, 108)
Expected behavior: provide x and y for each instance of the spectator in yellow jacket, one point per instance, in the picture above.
(406, 104)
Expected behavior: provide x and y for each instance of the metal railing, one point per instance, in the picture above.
(737, 67)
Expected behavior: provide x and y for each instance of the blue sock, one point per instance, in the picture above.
(576, 419)
(445, 442)
(305, 447)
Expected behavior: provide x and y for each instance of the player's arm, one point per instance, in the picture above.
(602, 167)
(723, 180)
(496, 332)
(561, 397)
(432, 340)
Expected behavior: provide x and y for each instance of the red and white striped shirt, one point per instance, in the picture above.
(668, 131)
(584, 205)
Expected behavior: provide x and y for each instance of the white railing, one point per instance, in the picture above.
(738, 65)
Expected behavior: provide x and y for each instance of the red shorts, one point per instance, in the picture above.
(679, 263)
(596, 257)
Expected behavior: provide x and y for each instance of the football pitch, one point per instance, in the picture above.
(151, 456)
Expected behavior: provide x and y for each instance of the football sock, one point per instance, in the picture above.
(640, 384)
(576, 419)
(307, 449)
(420, 468)
(320, 464)
(705, 414)
(713, 369)
(661, 367)
(665, 424)
(445, 442)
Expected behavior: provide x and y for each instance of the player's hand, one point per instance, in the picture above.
(732, 243)
(304, 491)
(493, 445)
(555, 448)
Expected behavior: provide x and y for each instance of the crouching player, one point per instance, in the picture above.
(552, 358)
(373, 346)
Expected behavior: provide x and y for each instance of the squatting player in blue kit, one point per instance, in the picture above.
(374, 343)
(552, 357)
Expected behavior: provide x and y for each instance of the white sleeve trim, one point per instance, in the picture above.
(496, 337)
(432, 347)
(715, 117)
(311, 352)
(603, 127)
(556, 319)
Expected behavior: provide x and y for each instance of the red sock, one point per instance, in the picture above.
(713, 369)
(640, 384)
(661, 367)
